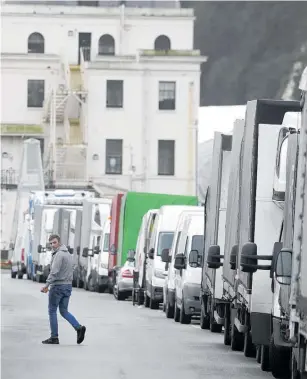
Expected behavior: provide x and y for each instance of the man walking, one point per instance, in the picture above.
(60, 282)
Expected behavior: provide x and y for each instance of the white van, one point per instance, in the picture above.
(100, 213)
(103, 258)
(169, 283)
(188, 269)
(142, 245)
(161, 239)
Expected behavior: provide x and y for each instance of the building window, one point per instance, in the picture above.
(106, 45)
(36, 93)
(167, 95)
(36, 44)
(162, 43)
(115, 92)
(166, 157)
(114, 156)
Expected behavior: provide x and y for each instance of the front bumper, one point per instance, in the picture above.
(191, 298)
(103, 280)
(125, 286)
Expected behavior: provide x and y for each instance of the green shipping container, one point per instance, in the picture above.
(133, 207)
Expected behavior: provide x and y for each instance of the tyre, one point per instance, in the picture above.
(279, 360)
(184, 318)
(204, 320)
(214, 327)
(13, 274)
(20, 275)
(169, 312)
(146, 301)
(265, 358)
(227, 335)
(249, 349)
(121, 296)
(176, 312)
(237, 339)
(153, 304)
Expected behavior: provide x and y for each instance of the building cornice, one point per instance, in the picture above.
(35, 58)
(90, 12)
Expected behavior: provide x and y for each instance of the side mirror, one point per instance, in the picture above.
(39, 248)
(233, 257)
(214, 257)
(276, 249)
(113, 250)
(130, 255)
(165, 255)
(179, 263)
(283, 267)
(151, 253)
(249, 259)
(96, 250)
(194, 258)
(85, 252)
(70, 249)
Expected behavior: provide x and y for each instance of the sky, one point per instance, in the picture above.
(217, 119)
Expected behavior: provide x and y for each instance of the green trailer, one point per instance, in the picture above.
(133, 207)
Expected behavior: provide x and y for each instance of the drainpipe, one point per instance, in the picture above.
(121, 26)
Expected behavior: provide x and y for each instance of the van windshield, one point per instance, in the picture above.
(106, 242)
(165, 241)
(198, 243)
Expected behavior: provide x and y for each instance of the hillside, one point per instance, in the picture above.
(255, 49)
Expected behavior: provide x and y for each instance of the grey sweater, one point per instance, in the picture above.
(62, 266)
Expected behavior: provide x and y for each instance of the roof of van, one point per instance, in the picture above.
(170, 214)
(195, 224)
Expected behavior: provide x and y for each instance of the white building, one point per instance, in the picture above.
(112, 92)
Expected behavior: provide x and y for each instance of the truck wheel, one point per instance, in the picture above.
(280, 360)
(249, 347)
(237, 339)
(169, 312)
(39, 278)
(140, 298)
(176, 312)
(146, 300)
(227, 335)
(265, 358)
(121, 296)
(74, 283)
(20, 275)
(184, 318)
(153, 304)
(13, 274)
(204, 320)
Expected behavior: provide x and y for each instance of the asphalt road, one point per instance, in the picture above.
(122, 341)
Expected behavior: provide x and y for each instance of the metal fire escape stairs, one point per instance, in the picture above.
(65, 161)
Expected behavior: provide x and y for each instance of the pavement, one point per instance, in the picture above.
(122, 341)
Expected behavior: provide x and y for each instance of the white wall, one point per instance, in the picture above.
(14, 90)
(141, 111)
(14, 147)
(137, 33)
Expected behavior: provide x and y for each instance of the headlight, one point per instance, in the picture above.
(159, 274)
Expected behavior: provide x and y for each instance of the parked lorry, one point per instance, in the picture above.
(95, 212)
(212, 303)
(298, 257)
(253, 226)
(133, 206)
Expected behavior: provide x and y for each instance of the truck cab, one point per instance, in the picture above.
(103, 258)
(188, 272)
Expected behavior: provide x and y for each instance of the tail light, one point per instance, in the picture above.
(22, 255)
(127, 274)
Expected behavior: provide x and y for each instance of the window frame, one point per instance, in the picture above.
(32, 104)
(40, 45)
(102, 45)
(114, 106)
(163, 93)
(173, 170)
(108, 170)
